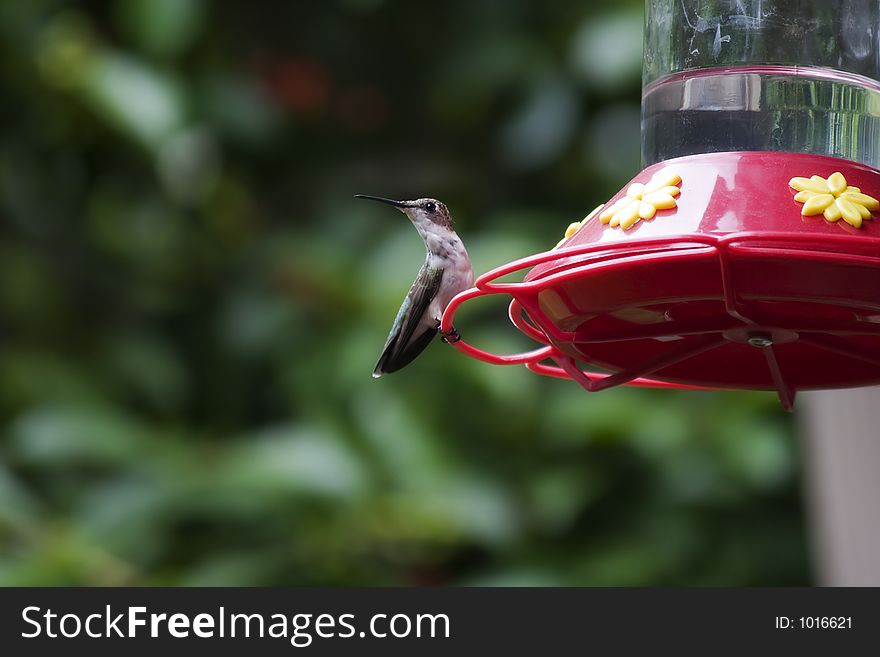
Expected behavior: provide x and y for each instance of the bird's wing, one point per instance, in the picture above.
(403, 345)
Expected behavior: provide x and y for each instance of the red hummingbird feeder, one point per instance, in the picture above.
(746, 255)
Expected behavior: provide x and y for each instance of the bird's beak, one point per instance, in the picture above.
(381, 199)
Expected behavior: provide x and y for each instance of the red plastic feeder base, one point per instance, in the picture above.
(733, 288)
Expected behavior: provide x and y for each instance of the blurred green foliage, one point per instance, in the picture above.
(191, 304)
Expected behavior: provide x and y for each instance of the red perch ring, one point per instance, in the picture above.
(732, 288)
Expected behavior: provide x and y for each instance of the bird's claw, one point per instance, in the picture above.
(451, 337)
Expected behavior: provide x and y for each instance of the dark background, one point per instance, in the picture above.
(191, 303)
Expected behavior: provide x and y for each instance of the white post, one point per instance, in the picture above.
(842, 477)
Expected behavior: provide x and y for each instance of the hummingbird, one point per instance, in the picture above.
(446, 272)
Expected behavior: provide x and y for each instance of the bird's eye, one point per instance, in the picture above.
(430, 206)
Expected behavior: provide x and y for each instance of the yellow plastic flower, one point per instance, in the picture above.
(834, 199)
(643, 201)
(576, 225)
